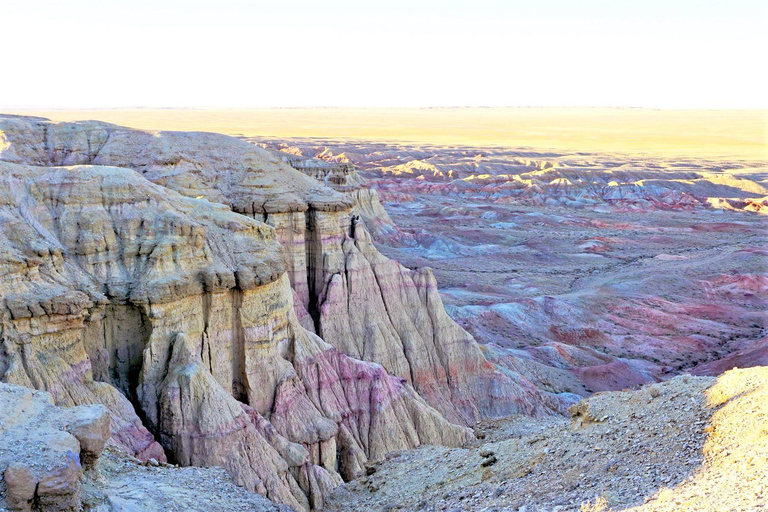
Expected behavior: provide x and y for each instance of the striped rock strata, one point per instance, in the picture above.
(140, 271)
(177, 314)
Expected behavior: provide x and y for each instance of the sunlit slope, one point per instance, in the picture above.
(701, 133)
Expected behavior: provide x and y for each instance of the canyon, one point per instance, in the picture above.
(228, 310)
(249, 304)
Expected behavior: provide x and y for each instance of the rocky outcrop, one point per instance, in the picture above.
(54, 459)
(344, 178)
(362, 303)
(361, 309)
(45, 449)
(206, 165)
(663, 447)
(202, 424)
(178, 315)
(86, 249)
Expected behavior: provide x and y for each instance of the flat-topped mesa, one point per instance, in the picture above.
(338, 175)
(344, 178)
(219, 168)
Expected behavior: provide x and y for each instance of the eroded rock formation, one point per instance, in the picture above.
(54, 459)
(325, 249)
(579, 272)
(229, 306)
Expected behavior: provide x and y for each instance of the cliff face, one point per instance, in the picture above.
(132, 276)
(179, 312)
(344, 178)
(54, 459)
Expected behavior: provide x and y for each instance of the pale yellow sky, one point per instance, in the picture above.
(717, 134)
(239, 53)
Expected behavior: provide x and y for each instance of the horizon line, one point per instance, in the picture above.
(424, 107)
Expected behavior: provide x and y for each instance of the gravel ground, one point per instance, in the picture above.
(691, 443)
(123, 484)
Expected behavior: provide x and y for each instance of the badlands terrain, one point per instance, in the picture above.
(605, 271)
(192, 320)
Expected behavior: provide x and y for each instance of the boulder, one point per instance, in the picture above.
(45, 449)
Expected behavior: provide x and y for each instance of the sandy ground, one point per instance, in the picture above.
(122, 483)
(712, 133)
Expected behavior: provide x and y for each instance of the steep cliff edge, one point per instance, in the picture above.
(344, 178)
(177, 314)
(228, 309)
(362, 303)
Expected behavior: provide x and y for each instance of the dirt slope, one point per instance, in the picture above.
(692, 443)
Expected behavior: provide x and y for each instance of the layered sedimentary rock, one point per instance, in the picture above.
(362, 303)
(579, 272)
(344, 178)
(54, 459)
(178, 315)
(219, 168)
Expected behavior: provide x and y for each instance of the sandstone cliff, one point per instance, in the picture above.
(54, 459)
(228, 305)
(344, 178)
(179, 312)
(361, 302)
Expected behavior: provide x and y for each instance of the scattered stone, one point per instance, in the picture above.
(491, 460)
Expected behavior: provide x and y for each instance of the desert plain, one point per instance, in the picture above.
(738, 134)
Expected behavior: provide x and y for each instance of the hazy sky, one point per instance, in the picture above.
(238, 53)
